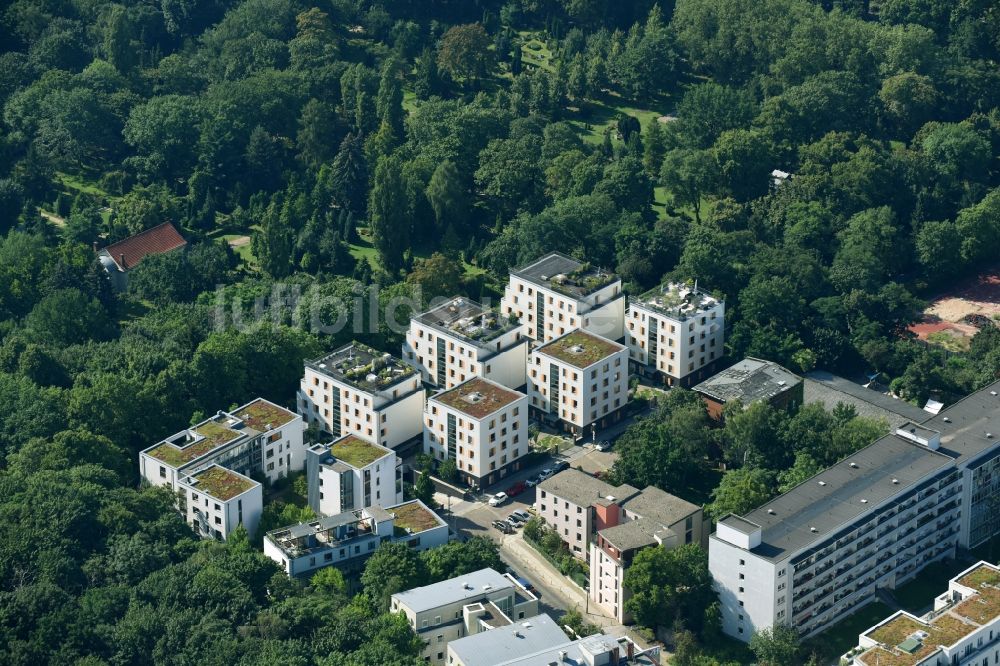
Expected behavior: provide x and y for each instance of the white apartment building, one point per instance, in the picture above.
(350, 473)
(963, 628)
(482, 426)
(217, 500)
(357, 390)
(649, 519)
(259, 437)
(556, 294)
(463, 606)
(675, 333)
(460, 339)
(579, 379)
(816, 554)
(347, 539)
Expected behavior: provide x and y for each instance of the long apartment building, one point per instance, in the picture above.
(675, 333)
(357, 390)
(579, 379)
(556, 294)
(460, 339)
(482, 426)
(464, 606)
(347, 539)
(817, 553)
(258, 438)
(963, 628)
(350, 473)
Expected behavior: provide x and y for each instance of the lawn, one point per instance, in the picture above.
(413, 517)
(365, 250)
(222, 484)
(73, 183)
(356, 452)
(550, 442)
(843, 636)
(534, 50)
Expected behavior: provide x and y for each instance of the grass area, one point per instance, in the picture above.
(843, 636)
(553, 442)
(264, 416)
(356, 452)
(596, 116)
(728, 650)
(648, 392)
(413, 517)
(221, 483)
(409, 101)
(917, 596)
(365, 250)
(214, 435)
(950, 341)
(534, 51)
(74, 183)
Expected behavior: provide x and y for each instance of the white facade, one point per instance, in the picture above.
(349, 474)
(460, 339)
(675, 332)
(565, 382)
(217, 500)
(557, 294)
(359, 391)
(482, 426)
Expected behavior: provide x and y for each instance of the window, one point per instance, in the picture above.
(163, 472)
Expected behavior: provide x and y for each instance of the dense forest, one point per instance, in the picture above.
(428, 146)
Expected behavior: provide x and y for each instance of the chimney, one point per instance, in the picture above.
(121, 260)
(95, 246)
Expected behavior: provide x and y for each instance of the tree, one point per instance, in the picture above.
(465, 53)
(392, 568)
(345, 183)
(272, 245)
(742, 158)
(447, 195)
(389, 103)
(709, 109)
(776, 646)
(387, 205)
(655, 144)
(754, 435)
(687, 174)
(427, 81)
(458, 558)
(423, 489)
(447, 471)
(317, 126)
(66, 317)
(669, 584)
(437, 276)
(740, 491)
(509, 173)
(908, 98)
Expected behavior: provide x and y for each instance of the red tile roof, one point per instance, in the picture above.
(159, 239)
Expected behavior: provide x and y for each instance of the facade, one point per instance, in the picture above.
(347, 539)
(482, 426)
(463, 606)
(217, 500)
(357, 390)
(579, 379)
(119, 258)
(257, 438)
(350, 473)
(819, 552)
(556, 294)
(749, 381)
(460, 339)
(649, 519)
(675, 333)
(963, 628)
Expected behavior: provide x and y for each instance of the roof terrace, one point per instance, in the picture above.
(677, 300)
(362, 367)
(580, 348)
(477, 397)
(195, 442)
(221, 483)
(467, 319)
(413, 518)
(566, 275)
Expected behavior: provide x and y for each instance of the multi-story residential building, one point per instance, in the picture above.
(460, 339)
(464, 606)
(963, 628)
(357, 390)
(347, 539)
(579, 379)
(556, 294)
(577, 505)
(675, 333)
(257, 438)
(482, 426)
(819, 552)
(350, 473)
(749, 381)
(651, 518)
(217, 500)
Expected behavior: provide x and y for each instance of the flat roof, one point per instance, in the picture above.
(565, 275)
(263, 415)
(750, 380)
(582, 489)
(496, 646)
(465, 588)
(478, 397)
(971, 426)
(221, 483)
(357, 452)
(464, 318)
(659, 505)
(634, 534)
(579, 652)
(199, 440)
(580, 348)
(829, 390)
(363, 367)
(413, 517)
(676, 300)
(839, 494)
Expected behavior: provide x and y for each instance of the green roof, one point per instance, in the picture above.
(221, 483)
(356, 452)
(413, 516)
(215, 434)
(580, 349)
(261, 413)
(477, 397)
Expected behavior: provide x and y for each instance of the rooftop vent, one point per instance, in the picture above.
(813, 530)
(526, 625)
(770, 511)
(946, 419)
(993, 392)
(487, 587)
(854, 465)
(781, 383)
(989, 435)
(474, 397)
(466, 586)
(576, 349)
(864, 501)
(822, 483)
(895, 482)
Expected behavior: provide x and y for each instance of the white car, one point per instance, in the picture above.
(545, 473)
(498, 499)
(603, 446)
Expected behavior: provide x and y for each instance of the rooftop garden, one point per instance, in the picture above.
(260, 414)
(584, 280)
(369, 368)
(414, 517)
(356, 452)
(980, 576)
(215, 434)
(222, 484)
(477, 397)
(943, 630)
(580, 349)
(980, 608)
(671, 296)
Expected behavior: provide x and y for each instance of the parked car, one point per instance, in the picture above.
(603, 446)
(531, 483)
(560, 466)
(521, 515)
(526, 584)
(513, 523)
(503, 526)
(545, 473)
(516, 489)
(498, 499)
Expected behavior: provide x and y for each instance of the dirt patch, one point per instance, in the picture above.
(943, 323)
(239, 241)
